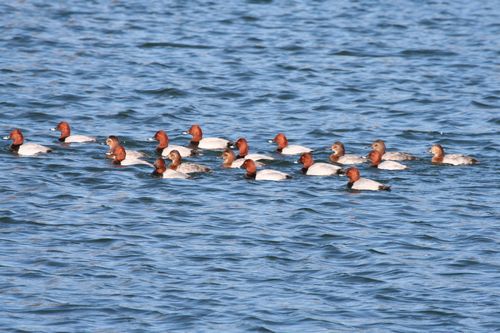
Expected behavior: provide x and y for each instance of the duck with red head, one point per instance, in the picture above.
(340, 157)
(375, 158)
(197, 140)
(66, 136)
(286, 149)
(230, 160)
(162, 171)
(112, 141)
(180, 166)
(242, 145)
(24, 149)
(439, 157)
(356, 182)
(266, 174)
(164, 148)
(317, 169)
(120, 155)
(379, 145)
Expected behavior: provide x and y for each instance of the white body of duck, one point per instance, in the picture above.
(286, 149)
(198, 141)
(267, 174)
(79, 139)
(191, 168)
(183, 167)
(242, 145)
(164, 148)
(30, 149)
(213, 143)
(391, 165)
(184, 151)
(453, 159)
(458, 159)
(317, 169)
(25, 149)
(67, 137)
(350, 159)
(340, 157)
(162, 171)
(173, 174)
(295, 150)
(356, 182)
(131, 154)
(379, 145)
(397, 156)
(121, 156)
(134, 161)
(257, 157)
(367, 184)
(230, 160)
(322, 169)
(376, 159)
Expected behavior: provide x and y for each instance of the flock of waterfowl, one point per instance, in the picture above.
(177, 168)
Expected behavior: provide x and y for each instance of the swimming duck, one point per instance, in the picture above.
(339, 156)
(375, 158)
(230, 160)
(120, 155)
(113, 141)
(164, 148)
(358, 183)
(267, 174)
(24, 149)
(379, 145)
(66, 136)
(180, 166)
(197, 140)
(454, 159)
(242, 145)
(317, 169)
(162, 171)
(286, 149)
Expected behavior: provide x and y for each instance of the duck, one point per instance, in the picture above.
(375, 158)
(178, 165)
(266, 174)
(242, 145)
(317, 169)
(197, 140)
(454, 159)
(120, 155)
(164, 148)
(286, 149)
(162, 171)
(230, 160)
(339, 156)
(66, 136)
(358, 183)
(379, 145)
(24, 149)
(113, 141)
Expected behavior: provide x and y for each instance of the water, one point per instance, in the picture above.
(86, 246)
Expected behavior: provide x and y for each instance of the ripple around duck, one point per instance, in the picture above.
(149, 45)
(170, 92)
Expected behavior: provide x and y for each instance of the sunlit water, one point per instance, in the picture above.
(90, 247)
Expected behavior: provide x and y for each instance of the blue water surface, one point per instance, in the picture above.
(86, 246)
